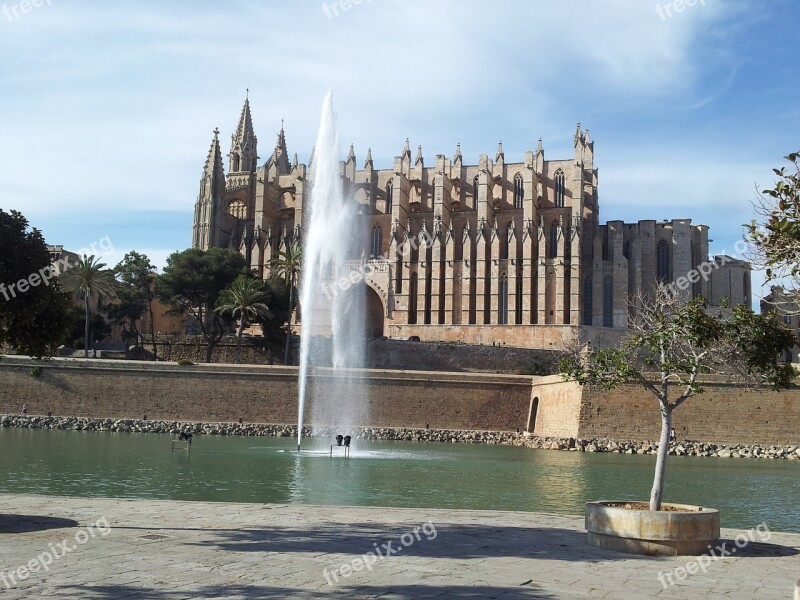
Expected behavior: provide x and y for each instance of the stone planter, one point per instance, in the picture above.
(638, 531)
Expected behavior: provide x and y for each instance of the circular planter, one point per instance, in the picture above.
(690, 530)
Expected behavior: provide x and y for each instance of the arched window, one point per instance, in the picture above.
(553, 247)
(663, 262)
(560, 187)
(587, 301)
(502, 301)
(412, 298)
(235, 163)
(518, 299)
(504, 243)
(519, 191)
(608, 301)
(389, 194)
(433, 191)
(376, 245)
(475, 186)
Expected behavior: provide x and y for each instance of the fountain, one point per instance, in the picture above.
(333, 326)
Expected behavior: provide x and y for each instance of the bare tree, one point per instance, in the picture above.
(672, 343)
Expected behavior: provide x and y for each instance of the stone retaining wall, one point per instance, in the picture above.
(266, 394)
(685, 448)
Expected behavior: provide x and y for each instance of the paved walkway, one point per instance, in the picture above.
(175, 550)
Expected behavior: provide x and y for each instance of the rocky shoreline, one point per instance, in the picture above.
(682, 448)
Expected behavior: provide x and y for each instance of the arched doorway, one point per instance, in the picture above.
(532, 414)
(365, 300)
(373, 310)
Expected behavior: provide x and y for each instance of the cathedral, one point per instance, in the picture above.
(505, 251)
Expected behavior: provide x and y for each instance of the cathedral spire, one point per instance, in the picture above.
(458, 151)
(368, 162)
(419, 155)
(350, 164)
(214, 159)
(280, 155)
(212, 189)
(500, 153)
(245, 129)
(243, 155)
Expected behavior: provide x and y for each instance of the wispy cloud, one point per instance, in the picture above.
(109, 107)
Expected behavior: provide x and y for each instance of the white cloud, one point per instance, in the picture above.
(119, 99)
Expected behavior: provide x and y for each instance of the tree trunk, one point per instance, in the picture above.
(152, 330)
(289, 326)
(208, 329)
(239, 340)
(661, 461)
(86, 327)
(209, 350)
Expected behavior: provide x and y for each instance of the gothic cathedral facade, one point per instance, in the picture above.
(502, 251)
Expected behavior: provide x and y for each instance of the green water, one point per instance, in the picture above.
(239, 469)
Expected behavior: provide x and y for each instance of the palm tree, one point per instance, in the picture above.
(287, 265)
(244, 298)
(90, 278)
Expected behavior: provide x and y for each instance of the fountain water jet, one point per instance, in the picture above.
(333, 321)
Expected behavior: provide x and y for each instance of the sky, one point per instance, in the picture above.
(109, 107)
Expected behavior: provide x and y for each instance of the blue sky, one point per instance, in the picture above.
(108, 108)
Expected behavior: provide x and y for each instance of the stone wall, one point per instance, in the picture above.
(261, 394)
(193, 348)
(382, 354)
(453, 357)
(555, 408)
(543, 337)
(723, 414)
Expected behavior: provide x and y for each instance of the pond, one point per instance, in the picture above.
(399, 474)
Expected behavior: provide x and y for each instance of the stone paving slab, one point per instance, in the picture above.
(174, 550)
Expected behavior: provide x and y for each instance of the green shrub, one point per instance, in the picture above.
(184, 362)
(35, 371)
(535, 369)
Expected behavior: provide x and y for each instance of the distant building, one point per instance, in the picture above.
(786, 307)
(501, 251)
(62, 259)
(731, 279)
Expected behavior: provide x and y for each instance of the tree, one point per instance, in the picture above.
(98, 326)
(680, 341)
(192, 282)
(246, 299)
(135, 294)
(90, 280)
(776, 240)
(288, 265)
(34, 316)
(274, 328)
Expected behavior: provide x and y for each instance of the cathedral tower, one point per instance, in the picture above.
(209, 206)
